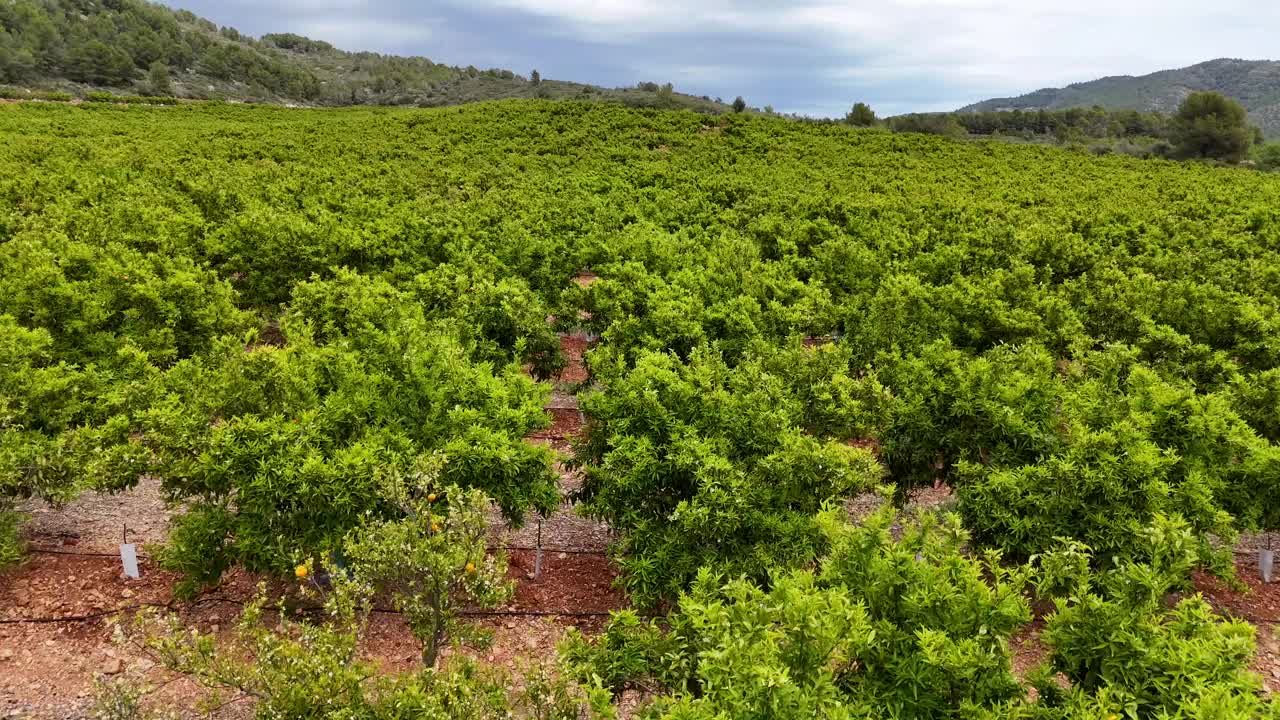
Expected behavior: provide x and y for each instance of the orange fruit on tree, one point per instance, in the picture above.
(300, 571)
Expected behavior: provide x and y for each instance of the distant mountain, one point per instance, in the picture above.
(1254, 83)
(139, 47)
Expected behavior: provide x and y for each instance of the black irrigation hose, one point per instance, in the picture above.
(545, 549)
(107, 613)
(230, 601)
(78, 618)
(42, 551)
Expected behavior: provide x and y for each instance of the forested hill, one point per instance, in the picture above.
(1254, 83)
(133, 46)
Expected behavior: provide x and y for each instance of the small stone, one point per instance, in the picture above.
(214, 628)
(20, 598)
(144, 665)
(510, 625)
(6, 654)
(113, 666)
(126, 593)
(561, 556)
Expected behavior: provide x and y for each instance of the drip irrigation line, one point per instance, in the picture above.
(76, 553)
(530, 548)
(547, 549)
(98, 615)
(90, 617)
(78, 618)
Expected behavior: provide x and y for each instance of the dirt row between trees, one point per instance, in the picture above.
(59, 610)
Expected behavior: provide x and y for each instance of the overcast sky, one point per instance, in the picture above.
(814, 57)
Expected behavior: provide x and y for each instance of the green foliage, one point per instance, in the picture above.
(739, 104)
(116, 701)
(941, 619)
(296, 668)
(1113, 634)
(431, 563)
(288, 448)
(1250, 82)
(1076, 123)
(917, 628)
(1267, 156)
(60, 423)
(698, 463)
(10, 539)
(1211, 125)
(1093, 449)
(861, 115)
(158, 78)
(883, 629)
(98, 63)
(942, 124)
(951, 298)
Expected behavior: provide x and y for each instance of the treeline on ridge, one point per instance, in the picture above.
(148, 49)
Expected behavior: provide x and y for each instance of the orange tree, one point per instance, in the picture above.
(700, 463)
(277, 449)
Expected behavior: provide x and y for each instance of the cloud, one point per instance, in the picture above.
(809, 56)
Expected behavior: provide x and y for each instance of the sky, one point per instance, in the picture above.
(811, 57)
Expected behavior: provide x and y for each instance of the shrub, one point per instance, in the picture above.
(861, 115)
(430, 563)
(929, 124)
(919, 628)
(1113, 634)
(63, 427)
(300, 669)
(699, 464)
(10, 538)
(1092, 449)
(284, 449)
(305, 662)
(117, 701)
(1211, 125)
(502, 318)
(883, 628)
(1267, 156)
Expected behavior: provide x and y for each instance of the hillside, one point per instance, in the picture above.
(1255, 83)
(137, 47)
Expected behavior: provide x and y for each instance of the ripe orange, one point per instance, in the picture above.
(471, 568)
(300, 571)
(431, 497)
